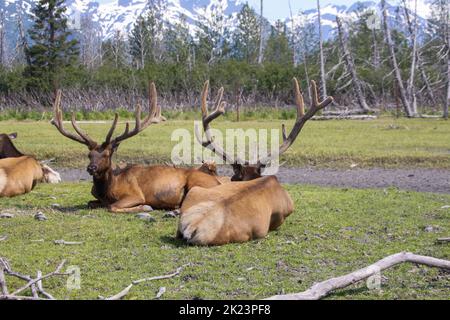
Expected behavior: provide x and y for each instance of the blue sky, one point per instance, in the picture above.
(275, 9)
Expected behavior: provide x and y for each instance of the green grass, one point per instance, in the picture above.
(331, 232)
(386, 142)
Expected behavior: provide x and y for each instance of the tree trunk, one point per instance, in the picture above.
(322, 60)
(351, 67)
(447, 103)
(410, 89)
(376, 52)
(2, 39)
(419, 62)
(398, 77)
(294, 41)
(261, 34)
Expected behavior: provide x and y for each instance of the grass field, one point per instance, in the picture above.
(386, 142)
(331, 232)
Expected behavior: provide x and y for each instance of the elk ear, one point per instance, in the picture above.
(12, 135)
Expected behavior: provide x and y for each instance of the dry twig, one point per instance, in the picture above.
(35, 284)
(125, 291)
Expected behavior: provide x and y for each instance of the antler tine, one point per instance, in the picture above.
(113, 127)
(205, 99)
(317, 104)
(80, 132)
(207, 119)
(154, 116)
(299, 99)
(57, 121)
(302, 117)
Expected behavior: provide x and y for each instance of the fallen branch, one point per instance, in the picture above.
(35, 285)
(3, 238)
(125, 291)
(345, 117)
(322, 289)
(443, 240)
(67, 243)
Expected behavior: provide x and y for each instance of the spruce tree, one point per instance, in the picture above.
(278, 50)
(246, 36)
(53, 47)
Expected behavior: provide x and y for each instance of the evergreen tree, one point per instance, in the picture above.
(212, 34)
(179, 42)
(246, 36)
(146, 38)
(140, 42)
(53, 47)
(278, 50)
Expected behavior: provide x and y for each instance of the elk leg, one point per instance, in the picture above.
(128, 205)
(95, 204)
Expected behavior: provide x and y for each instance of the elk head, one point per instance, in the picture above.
(100, 155)
(7, 148)
(243, 170)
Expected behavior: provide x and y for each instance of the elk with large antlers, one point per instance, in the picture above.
(248, 209)
(132, 189)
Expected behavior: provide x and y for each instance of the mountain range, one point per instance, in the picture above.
(121, 14)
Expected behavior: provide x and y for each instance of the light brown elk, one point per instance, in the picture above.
(132, 189)
(244, 210)
(7, 148)
(20, 175)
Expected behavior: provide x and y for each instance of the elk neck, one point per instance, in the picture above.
(103, 182)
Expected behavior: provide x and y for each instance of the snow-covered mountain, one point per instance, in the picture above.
(351, 13)
(121, 14)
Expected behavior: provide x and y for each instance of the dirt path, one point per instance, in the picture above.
(422, 180)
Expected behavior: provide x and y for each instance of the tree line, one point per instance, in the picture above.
(376, 61)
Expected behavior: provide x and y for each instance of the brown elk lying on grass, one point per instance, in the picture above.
(132, 189)
(7, 148)
(244, 210)
(20, 173)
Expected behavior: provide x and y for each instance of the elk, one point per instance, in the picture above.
(253, 205)
(137, 188)
(7, 148)
(21, 174)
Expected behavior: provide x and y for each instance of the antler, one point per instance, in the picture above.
(301, 118)
(154, 116)
(57, 121)
(207, 119)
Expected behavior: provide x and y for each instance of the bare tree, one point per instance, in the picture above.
(446, 17)
(22, 43)
(447, 104)
(2, 39)
(323, 83)
(90, 43)
(351, 66)
(398, 77)
(261, 34)
(412, 29)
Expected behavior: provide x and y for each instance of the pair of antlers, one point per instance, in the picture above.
(154, 116)
(288, 140)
